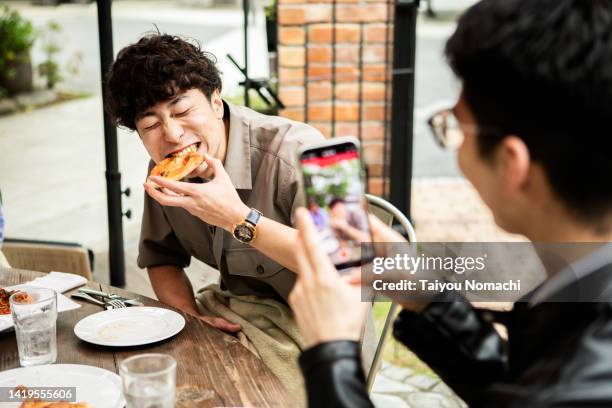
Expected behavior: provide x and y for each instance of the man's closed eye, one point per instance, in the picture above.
(153, 126)
(183, 113)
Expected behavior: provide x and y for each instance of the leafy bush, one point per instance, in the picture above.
(17, 36)
(270, 10)
(50, 68)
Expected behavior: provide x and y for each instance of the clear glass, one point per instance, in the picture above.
(149, 381)
(35, 316)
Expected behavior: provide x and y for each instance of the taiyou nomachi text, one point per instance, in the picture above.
(436, 285)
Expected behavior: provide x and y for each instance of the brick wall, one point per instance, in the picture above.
(333, 70)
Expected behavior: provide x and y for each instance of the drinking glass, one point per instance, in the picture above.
(34, 313)
(149, 380)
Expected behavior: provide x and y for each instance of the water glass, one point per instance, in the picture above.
(34, 313)
(149, 381)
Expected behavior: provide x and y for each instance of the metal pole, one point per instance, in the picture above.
(113, 177)
(247, 80)
(402, 108)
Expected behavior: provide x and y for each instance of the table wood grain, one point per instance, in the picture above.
(213, 368)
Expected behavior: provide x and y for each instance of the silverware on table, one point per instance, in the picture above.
(111, 304)
(111, 296)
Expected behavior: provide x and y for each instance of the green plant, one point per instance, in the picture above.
(394, 352)
(17, 35)
(50, 68)
(325, 183)
(270, 10)
(256, 103)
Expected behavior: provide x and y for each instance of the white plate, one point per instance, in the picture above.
(96, 386)
(130, 326)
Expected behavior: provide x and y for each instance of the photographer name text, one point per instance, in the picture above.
(441, 286)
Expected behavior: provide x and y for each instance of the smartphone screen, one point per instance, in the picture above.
(336, 202)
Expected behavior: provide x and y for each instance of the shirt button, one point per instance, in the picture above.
(260, 270)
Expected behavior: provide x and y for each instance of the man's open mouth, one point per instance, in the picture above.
(185, 151)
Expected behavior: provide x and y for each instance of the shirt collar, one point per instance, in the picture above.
(577, 270)
(238, 157)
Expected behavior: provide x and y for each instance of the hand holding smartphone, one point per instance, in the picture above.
(332, 179)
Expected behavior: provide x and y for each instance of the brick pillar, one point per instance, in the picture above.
(334, 60)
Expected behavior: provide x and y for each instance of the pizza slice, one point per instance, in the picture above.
(177, 167)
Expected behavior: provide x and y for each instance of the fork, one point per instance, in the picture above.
(115, 304)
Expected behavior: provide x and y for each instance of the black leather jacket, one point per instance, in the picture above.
(559, 354)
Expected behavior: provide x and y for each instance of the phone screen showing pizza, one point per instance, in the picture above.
(336, 202)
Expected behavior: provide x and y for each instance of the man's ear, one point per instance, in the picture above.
(515, 164)
(217, 104)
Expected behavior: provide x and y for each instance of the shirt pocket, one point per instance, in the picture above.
(250, 262)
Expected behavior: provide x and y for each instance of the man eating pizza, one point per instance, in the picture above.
(233, 210)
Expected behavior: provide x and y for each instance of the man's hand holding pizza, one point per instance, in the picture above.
(215, 202)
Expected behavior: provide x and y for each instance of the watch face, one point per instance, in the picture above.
(244, 233)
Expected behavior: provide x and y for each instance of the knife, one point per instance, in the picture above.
(105, 295)
(88, 298)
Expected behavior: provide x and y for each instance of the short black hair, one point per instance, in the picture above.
(153, 70)
(542, 70)
(335, 201)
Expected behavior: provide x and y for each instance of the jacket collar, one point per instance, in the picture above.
(535, 331)
(591, 292)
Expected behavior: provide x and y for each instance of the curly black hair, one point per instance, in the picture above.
(153, 70)
(542, 70)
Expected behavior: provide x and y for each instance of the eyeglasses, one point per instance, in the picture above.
(446, 129)
(448, 132)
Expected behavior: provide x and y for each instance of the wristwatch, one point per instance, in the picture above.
(246, 231)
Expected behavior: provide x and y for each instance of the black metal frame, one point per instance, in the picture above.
(253, 83)
(113, 176)
(402, 107)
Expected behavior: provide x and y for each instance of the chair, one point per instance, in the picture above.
(45, 256)
(390, 215)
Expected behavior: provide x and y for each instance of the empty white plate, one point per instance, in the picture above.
(130, 326)
(96, 386)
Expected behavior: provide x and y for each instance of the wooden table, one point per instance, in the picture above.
(213, 368)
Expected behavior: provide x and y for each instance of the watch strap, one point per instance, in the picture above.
(253, 217)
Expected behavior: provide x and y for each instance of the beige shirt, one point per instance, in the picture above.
(262, 162)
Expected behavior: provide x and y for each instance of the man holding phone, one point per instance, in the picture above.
(533, 130)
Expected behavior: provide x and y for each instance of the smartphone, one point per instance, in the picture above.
(332, 179)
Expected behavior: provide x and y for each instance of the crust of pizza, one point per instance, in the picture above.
(177, 168)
